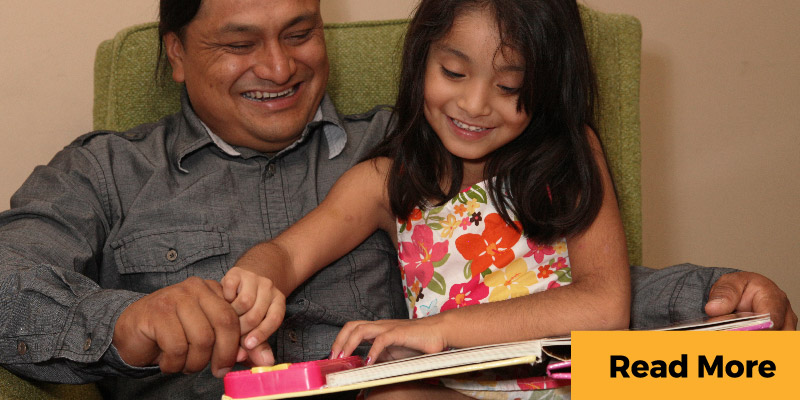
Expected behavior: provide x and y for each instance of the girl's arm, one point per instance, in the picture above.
(356, 206)
(597, 299)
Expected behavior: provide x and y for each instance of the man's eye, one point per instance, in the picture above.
(301, 36)
(239, 47)
(451, 74)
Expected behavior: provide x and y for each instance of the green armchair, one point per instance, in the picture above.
(364, 67)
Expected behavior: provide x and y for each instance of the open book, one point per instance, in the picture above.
(330, 376)
(449, 362)
(731, 322)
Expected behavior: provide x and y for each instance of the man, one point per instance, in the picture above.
(111, 256)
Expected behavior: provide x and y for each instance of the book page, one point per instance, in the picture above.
(430, 362)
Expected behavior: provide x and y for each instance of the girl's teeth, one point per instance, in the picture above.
(468, 127)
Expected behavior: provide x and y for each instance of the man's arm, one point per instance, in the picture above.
(684, 292)
(59, 323)
(54, 315)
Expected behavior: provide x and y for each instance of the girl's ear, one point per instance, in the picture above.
(175, 54)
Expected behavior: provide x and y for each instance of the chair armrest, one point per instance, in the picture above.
(14, 387)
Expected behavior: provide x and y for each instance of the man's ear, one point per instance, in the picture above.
(175, 54)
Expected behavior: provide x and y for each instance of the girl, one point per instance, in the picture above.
(491, 172)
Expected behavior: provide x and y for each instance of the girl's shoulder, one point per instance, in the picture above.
(378, 166)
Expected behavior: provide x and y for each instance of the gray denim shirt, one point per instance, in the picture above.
(116, 215)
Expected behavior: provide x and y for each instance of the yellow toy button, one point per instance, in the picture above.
(258, 370)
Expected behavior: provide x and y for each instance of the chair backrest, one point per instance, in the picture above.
(364, 67)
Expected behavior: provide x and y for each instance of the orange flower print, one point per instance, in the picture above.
(460, 209)
(415, 289)
(544, 272)
(416, 215)
(414, 296)
(492, 246)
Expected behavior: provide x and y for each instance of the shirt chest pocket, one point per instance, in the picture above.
(152, 259)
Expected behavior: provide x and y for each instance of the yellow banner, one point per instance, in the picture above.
(685, 365)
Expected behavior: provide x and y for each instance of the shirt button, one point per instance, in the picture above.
(293, 336)
(22, 348)
(270, 170)
(172, 255)
(87, 344)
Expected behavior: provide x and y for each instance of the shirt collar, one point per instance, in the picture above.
(199, 134)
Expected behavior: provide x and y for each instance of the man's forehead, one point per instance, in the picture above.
(256, 15)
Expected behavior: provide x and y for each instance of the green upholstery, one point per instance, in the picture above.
(14, 388)
(363, 73)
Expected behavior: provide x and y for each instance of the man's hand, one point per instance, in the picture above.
(181, 328)
(260, 306)
(748, 291)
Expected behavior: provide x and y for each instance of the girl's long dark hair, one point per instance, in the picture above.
(547, 177)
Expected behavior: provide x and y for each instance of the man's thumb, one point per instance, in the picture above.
(722, 299)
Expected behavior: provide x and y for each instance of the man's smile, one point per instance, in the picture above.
(265, 96)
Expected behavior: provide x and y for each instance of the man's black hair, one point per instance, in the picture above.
(173, 16)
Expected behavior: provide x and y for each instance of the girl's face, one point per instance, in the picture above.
(471, 89)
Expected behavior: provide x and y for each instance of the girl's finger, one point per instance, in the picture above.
(337, 348)
(255, 300)
(246, 295)
(268, 324)
(230, 284)
(363, 332)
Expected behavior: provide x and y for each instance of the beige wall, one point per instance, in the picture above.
(720, 114)
(720, 103)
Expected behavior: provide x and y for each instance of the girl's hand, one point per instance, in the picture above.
(391, 338)
(260, 306)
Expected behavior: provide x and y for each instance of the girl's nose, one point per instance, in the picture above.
(475, 100)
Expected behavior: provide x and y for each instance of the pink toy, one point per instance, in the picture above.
(285, 378)
(557, 370)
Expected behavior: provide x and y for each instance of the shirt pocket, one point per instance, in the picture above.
(375, 279)
(163, 257)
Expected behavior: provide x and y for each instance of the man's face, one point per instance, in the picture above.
(255, 70)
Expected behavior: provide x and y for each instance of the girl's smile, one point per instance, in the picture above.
(469, 132)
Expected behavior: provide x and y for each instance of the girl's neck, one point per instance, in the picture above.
(473, 173)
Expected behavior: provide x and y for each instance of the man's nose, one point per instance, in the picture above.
(474, 100)
(275, 64)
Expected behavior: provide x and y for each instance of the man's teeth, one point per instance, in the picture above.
(468, 127)
(268, 95)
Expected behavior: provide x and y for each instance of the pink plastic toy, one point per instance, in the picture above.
(285, 378)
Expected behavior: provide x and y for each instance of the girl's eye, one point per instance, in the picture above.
(451, 74)
(508, 90)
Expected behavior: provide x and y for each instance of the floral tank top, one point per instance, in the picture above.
(463, 253)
